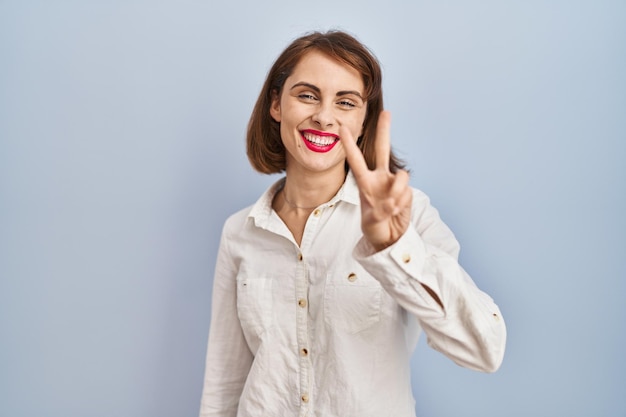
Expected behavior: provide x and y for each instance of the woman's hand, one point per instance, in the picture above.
(385, 197)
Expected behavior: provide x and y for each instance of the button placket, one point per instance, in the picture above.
(302, 325)
(302, 312)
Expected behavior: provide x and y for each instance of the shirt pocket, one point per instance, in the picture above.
(255, 304)
(352, 301)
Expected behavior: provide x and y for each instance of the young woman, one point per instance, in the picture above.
(323, 286)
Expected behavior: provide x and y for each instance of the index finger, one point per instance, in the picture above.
(382, 145)
(355, 157)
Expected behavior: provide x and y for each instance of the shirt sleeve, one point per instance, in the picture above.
(228, 358)
(469, 329)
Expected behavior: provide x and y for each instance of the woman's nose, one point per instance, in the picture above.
(324, 116)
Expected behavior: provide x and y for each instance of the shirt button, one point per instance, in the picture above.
(317, 212)
(302, 302)
(304, 398)
(304, 352)
(300, 257)
(406, 258)
(352, 277)
(496, 317)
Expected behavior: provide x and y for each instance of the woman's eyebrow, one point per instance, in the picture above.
(317, 90)
(303, 84)
(345, 93)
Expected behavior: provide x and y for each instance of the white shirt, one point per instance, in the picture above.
(327, 328)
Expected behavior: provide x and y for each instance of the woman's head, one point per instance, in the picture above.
(265, 148)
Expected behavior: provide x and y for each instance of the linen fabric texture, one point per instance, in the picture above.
(327, 328)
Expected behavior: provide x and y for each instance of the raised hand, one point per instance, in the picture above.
(385, 197)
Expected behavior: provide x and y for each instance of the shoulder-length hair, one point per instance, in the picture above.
(265, 148)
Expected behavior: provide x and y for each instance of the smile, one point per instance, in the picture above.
(319, 141)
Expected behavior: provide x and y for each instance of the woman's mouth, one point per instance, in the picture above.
(319, 141)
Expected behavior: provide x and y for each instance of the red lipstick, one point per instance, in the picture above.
(317, 141)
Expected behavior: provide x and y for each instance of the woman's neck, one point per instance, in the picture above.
(300, 195)
(305, 192)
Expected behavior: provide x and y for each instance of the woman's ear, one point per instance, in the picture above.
(275, 107)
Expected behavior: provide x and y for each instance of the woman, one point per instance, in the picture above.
(323, 286)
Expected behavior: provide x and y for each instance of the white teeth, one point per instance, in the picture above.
(319, 140)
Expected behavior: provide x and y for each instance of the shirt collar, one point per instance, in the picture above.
(261, 211)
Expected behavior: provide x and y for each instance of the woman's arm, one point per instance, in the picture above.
(421, 271)
(228, 358)
(414, 256)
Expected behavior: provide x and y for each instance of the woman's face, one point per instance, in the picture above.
(320, 95)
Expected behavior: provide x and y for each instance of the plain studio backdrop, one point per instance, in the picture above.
(122, 153)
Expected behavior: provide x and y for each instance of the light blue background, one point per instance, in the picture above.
(122, 152)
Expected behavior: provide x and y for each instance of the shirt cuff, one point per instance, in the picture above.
(396, 264)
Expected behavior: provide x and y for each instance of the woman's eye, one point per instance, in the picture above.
(346, 103)
(306, 96)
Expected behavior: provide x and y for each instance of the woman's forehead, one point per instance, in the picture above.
(316, 67)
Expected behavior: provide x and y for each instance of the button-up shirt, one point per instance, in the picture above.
(327, 328)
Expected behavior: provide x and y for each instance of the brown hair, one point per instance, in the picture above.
(264, 145)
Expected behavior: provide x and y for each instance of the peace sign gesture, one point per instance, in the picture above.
(385, 197)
